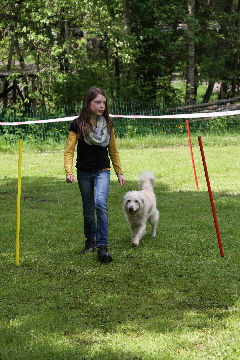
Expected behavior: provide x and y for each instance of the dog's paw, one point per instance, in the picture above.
(135, 243)
(153, 233)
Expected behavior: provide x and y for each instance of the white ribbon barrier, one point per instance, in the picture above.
(171, 116)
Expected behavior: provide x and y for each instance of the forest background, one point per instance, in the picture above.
(52, 51)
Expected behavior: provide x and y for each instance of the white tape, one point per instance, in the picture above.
(183, 116)
(171, 116)
(37, 121)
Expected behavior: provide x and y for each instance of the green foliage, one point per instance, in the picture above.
(129, 48)
(220, 125)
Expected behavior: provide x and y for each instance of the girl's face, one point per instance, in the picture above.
(97, 106)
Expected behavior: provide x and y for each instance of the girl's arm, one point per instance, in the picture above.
(68, 155)
(115, 159)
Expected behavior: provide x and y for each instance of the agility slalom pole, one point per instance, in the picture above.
(211, 196)
(19, 200)
(191, 153)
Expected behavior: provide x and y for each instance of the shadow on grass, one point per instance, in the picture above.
(61, 304)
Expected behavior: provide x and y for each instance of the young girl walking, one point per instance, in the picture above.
(94, 135)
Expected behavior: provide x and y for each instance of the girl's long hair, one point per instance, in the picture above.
(84, 119)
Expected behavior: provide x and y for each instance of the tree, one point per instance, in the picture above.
(190, 41)
(130, 48)
(217, 47)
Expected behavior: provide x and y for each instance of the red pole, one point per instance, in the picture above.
(191, 152)
(211, 196)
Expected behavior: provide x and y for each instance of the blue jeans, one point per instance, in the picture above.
(94, 188)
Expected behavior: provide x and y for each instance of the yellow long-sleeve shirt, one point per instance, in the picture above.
(70, 149)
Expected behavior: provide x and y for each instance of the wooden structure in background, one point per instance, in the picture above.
(13, 87)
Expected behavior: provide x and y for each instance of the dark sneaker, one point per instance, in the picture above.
(89, 244)
(103, 255)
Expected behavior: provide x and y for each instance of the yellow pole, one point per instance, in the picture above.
(19, 199)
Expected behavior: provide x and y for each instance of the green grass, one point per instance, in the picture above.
(174, 297)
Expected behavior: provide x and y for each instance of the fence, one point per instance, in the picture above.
(124, 126)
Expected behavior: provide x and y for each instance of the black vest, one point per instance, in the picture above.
(90, 157)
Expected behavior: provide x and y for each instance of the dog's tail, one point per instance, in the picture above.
(146, 180)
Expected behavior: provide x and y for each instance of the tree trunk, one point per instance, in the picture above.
(190, 84)
(208, 93)
(128, 32)
(6, 82)
(236, 55)
(223, 91)
(126, 17)
(117, 74)
(22, 66)
(16, 8)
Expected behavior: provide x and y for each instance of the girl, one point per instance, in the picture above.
(94, 135)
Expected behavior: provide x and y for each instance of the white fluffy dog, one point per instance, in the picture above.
(140, 206)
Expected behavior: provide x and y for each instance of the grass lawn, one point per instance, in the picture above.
(173, 297)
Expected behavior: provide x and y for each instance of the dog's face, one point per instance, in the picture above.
(133, 202)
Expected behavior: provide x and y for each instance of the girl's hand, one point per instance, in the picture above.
(70, 178)
(121, 179)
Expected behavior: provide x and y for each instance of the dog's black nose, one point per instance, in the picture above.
(130, 209)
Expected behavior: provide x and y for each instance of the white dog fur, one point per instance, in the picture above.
(139, 206)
